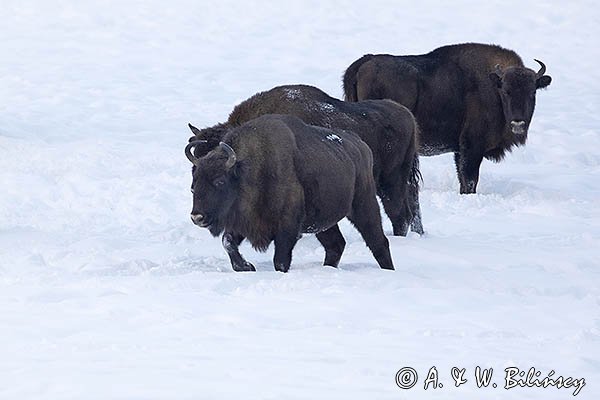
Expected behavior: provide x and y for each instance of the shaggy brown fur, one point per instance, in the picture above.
(475, 100)
(277, 177)
(388, 128)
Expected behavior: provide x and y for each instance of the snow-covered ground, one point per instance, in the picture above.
(107, 290)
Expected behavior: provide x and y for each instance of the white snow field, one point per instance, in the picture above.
(108, 291)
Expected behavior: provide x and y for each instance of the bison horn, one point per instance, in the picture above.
(232, 159)
(188, 151)
(195, 130)
(542, 70)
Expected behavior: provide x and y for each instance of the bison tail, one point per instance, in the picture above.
(415, 178)
(414, 182)
(350, 80)
(413, 203)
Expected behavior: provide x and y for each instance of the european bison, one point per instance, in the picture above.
(475, 100)
(388, 128)
(275, 177)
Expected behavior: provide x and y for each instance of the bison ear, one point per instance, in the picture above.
(543, 81)
(236, 170)
(195, 130)
(496, 79)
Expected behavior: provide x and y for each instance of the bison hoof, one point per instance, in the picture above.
(400, 230)
(469, 188)
(245, 267)
(282, 267)
(418, 229)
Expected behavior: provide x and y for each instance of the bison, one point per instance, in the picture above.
(388, 128)
(274, 178)
(475, 100)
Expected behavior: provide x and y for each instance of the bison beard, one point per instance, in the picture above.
(274, 178)
(474, 100)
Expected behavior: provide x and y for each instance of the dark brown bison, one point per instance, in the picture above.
(475, 100)
(388, 128)
(275, 177)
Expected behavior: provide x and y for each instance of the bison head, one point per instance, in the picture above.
(517, 87)
(214, 186)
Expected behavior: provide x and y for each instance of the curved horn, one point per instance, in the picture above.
(188, 151)
(542, 70)
(232, 159)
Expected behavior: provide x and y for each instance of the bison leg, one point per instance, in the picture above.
(334, 244)
(284, 244)
(393, 197)
(399, 193)
(231, 242)
(366, 218)
(467, 168)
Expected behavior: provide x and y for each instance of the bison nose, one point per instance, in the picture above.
(197, 218)
(517, 127)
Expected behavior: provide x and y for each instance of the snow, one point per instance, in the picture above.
(334, 138)
(326, 107)
(293, 94)
(107, 290)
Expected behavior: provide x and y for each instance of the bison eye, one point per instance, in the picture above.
(219, 182)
